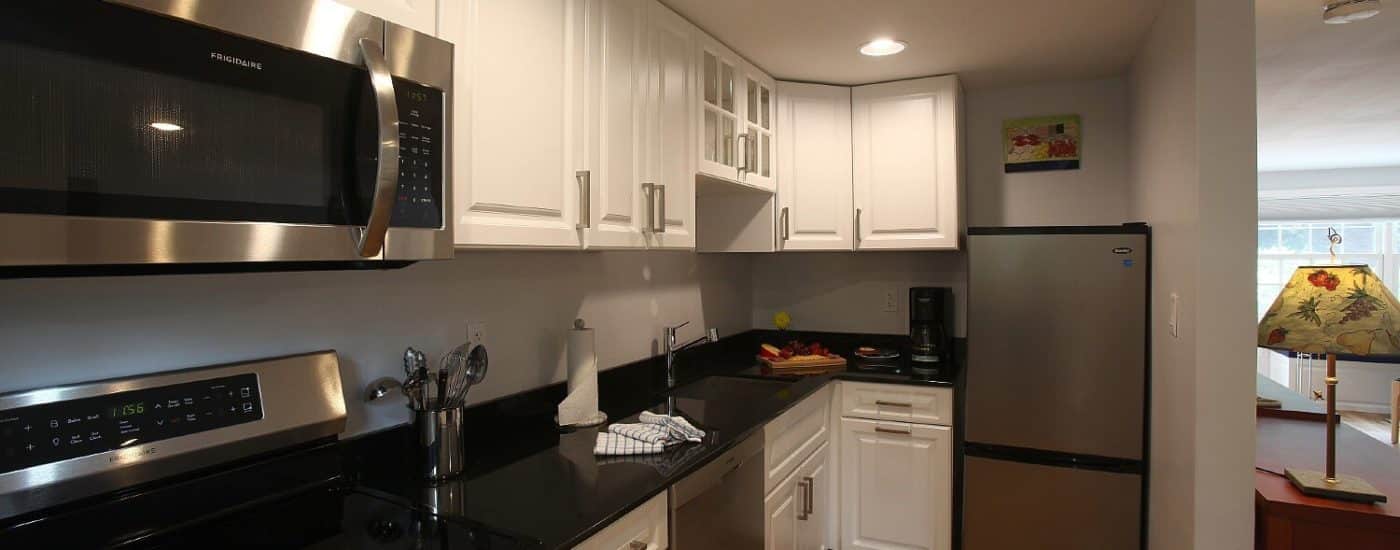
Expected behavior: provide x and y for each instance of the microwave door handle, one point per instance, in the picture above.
(370, 239)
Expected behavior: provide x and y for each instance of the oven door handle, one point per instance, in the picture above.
(369, 240)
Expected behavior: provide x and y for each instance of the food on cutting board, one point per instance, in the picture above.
(795, 350)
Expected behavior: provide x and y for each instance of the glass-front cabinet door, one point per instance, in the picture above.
(720, 110)
(757, 144)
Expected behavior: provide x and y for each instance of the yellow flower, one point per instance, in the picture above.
(782, 320)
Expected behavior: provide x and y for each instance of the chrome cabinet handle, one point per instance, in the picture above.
(661, 208)
(649, 191)
(802, 510)
(784, 230)
(857, 225)
(370, 240)
(741, 144)
(811, 494)
(894, 404)
(889, 431)
(585, 199)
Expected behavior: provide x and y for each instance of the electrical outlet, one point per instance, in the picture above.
(476, 333)
(891, 302)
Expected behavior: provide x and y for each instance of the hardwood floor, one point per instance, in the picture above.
(1372, 424)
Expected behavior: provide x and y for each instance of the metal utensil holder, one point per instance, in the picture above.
(442, 453)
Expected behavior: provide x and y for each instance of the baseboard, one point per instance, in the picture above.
(1365, 407)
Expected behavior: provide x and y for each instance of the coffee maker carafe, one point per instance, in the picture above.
(930, 329)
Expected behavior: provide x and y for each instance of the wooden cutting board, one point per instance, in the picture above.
(815, 365)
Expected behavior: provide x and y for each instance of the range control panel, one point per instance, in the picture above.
(419, 201)
(40, 434)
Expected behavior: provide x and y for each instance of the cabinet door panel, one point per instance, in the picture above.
(670, 147)
(907, 164)
(816, 472)
(515, 183)
(780, 510)
(615, 114)
(814, 158)
(755, 154)
(896, 485)
(718, 110)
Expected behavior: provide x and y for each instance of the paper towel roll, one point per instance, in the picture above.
(582, 360)
(580, 407)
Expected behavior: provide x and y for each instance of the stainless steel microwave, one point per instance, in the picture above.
(220, 133)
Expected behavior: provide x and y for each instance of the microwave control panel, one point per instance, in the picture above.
(421, 182)
(52, 432)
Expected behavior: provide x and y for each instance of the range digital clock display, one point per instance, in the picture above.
(128, 409)
(41, 434)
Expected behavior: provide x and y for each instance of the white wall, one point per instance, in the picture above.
(844, 292)
(70, 330)
(1193, 169)
(1095, 194)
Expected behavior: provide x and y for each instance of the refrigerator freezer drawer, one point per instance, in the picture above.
(1021, 505)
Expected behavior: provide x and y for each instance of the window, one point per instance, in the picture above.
(1283, 246)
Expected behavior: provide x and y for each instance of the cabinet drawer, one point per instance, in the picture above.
(642, 529)
(897, 402)
(791, 438)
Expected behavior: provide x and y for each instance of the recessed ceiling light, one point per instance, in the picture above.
(882, 46)
(1340, 12)
(167, 126)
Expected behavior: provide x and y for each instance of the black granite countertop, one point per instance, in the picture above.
(527, 476)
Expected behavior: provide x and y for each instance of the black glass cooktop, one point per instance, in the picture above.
(303, 499)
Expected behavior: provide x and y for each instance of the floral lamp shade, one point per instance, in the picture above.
(1343, 310)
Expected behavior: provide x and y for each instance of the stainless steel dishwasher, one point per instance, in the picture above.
(721, 505)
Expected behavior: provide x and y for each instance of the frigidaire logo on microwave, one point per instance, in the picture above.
(235, 60)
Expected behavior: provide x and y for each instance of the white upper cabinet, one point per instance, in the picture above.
(814, 167)
(720, 106)
(756, 141)
(615, 116)
(516, 127)
(419, 15)
(669, 135)
(907, 169)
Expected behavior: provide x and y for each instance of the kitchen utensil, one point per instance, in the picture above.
(440, 445)
(466, 370)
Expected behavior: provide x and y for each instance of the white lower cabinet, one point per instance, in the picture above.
(896, 485)
(642, 529)
(797, 513)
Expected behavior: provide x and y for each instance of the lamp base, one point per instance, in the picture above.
(1346, 487)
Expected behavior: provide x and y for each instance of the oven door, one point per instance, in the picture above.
(207, 131)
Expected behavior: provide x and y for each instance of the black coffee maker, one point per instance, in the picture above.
(930, 329)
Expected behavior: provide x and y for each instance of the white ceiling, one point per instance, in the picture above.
(1329, 95)
(988, 42)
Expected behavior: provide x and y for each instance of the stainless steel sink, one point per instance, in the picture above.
(722, 402)
(725, 388)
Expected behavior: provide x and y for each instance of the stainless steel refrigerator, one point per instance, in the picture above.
(1056, 396)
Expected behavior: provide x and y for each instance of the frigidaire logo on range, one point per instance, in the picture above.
(235, 60)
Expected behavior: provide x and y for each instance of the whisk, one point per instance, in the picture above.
(459, 370)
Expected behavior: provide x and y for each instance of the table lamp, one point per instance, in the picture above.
(1337, 310)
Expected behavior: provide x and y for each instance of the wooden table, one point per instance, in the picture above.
(1286, 519)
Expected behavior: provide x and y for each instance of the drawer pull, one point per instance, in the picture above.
(637, 545)
(890, 431)
(894, 404)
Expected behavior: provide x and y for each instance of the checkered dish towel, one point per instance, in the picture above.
(653, 433)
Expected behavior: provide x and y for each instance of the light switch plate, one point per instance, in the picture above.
(1172, 322)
